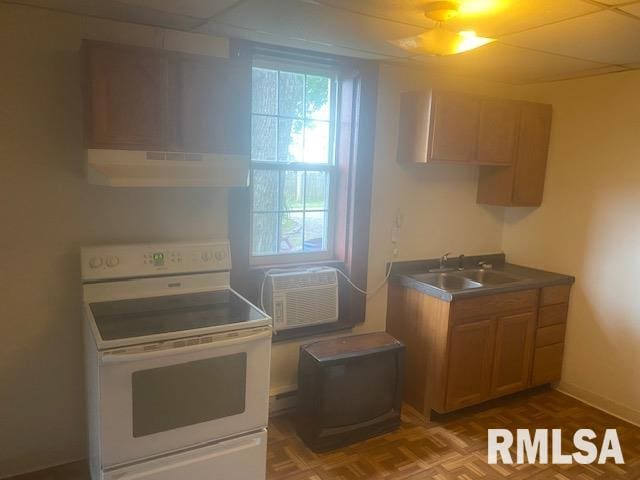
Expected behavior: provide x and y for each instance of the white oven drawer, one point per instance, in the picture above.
(241, 458)
(152, 403)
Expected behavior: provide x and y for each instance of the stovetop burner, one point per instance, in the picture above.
(122, 319)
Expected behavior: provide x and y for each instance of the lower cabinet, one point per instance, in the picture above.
(470, 359)
(489, 358)
(515, 336)
(547, 364)
(470, 351)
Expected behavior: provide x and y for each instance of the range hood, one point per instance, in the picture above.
(132, 168)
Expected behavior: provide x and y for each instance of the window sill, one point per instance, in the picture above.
(311, 331)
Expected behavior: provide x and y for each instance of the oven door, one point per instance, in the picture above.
(182, 394)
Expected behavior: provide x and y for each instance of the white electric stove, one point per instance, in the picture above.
(177, 365)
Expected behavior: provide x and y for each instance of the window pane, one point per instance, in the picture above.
(265, 233)
(291, 94)
(316, 189)
(290, 140)
(315, 231)
(263, 138)
(292, 190)
(264, 91)
(316, 142)
(317, 95)
(291, 232)
(265, 190)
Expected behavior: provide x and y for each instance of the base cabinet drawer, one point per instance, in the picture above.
(553, 315)
(547, 364)
(550, 335)
(473, 309)
(555, 294)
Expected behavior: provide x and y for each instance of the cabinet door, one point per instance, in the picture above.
(453, 130)
(547, 364)
(497, 132)
(128, 97)
(531, 161)
(513, 353)
(214, 105)
(470, 359)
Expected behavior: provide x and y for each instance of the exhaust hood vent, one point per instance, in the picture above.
(126, 168)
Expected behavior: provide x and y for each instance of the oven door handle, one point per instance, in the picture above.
(110, 358)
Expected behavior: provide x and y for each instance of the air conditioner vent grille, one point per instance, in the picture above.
(311, 306)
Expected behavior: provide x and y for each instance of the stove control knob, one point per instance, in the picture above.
(95, 262)
(112, 262)
(221, 255)
(206, 256)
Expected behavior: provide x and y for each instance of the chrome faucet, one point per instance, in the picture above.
(444, 259)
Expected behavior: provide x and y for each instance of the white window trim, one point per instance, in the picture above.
(332, 169)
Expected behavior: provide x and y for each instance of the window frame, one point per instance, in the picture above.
(357, 107)
(330, 168)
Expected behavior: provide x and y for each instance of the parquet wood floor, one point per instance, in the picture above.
(451, 447)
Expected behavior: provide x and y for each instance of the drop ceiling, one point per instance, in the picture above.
(538, 40)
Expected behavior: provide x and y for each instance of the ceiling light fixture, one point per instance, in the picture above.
(440, 41)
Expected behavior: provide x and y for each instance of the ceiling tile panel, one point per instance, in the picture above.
(310, 22)
(116, 10)
(604, 36)
(405, 11)
(581, 73)
(193, 8)
(266, 37)
(508, 64)
(518, 15)
(633, 9)
(499, 17)
(615, 2)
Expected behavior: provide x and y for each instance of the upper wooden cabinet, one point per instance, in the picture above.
(449, 127)
(214, 105)
(128, 97)
(521, 184)
(147, 99)
(497, 131)
(453, 126)
(508, 138)
(438, 127)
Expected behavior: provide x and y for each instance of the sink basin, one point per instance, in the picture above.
(488, 277)
(447, 281)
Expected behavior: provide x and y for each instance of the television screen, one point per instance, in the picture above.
(358, 390)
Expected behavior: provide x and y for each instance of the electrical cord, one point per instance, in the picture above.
(367, 292)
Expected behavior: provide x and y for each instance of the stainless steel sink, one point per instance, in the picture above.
(488, 277)
(447, 281)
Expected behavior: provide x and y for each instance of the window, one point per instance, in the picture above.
(313, 136)
(293, 174)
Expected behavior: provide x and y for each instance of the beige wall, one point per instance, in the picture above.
(47, 211)
(589, 226)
